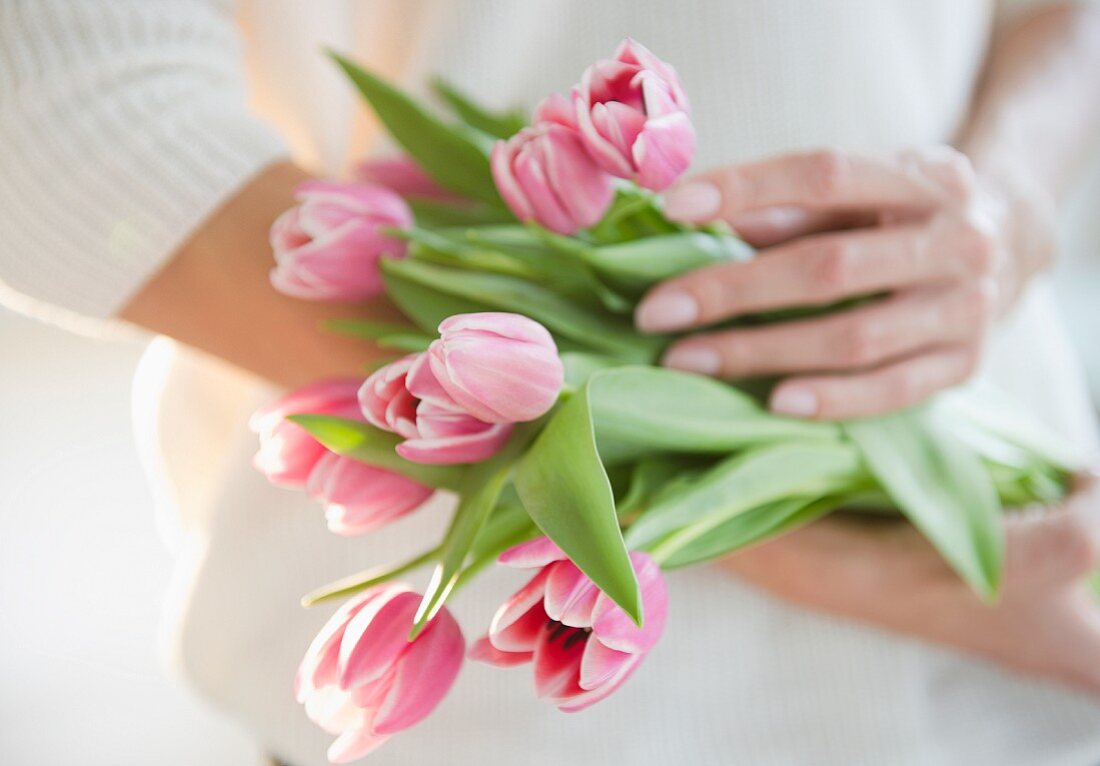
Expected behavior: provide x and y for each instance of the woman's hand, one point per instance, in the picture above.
(832, 225)
(1046, 623)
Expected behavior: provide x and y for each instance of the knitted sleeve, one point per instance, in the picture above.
(123, 125)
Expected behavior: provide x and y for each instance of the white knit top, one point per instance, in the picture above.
(123, 124)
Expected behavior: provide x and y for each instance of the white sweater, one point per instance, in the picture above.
(123, 124)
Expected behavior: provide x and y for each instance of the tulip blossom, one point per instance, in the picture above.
(405, 398)
(545, 175)
(401, 174)
(358, 498)
(363, 680)
(361, 498)
(583, 646)
(288, 453)
(499, 367)
(634, 117)
(328, 247)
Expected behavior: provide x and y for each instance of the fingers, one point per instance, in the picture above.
(825, 179)
(1046, 546)
(857, 339)
(822, 269)
(769, 226)
(891, 387)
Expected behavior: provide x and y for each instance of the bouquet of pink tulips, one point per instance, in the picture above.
(521, 391)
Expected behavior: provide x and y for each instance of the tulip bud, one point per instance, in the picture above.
(582, 645)
(545, 175)
(634, 117)
(363, 680)
(499, 367)
(328, 247)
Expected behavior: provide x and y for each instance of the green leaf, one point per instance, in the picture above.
(499, 125)
(447, 154)
(479, 495)
(645, 410)
(405, 341)
(434, 213)
(741, 483)
(368, 330)
(640, 263)
(751, 527)
(941, 486)
(590, 328)
(426, 306)
(565, 489)
(352, 584)
(365, 443)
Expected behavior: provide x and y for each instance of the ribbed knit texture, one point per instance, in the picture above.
(122, 126)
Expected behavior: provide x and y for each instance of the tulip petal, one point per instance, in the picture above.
(354, 744)
(515, 614)
(592, 696)
(471, 448)
(424, 675)
(616, 629)
(532, 553)
(483, 650)
(319, 665)
(570, 595)
(558, 663)
(375, 638)
(601, 663)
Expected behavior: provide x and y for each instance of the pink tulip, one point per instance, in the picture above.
(499, 367)
(328, 247)
(361, 678)
(287, 452)
(361, 498)
(634, 117)
(582, 645)
(358, 498)
(402, 175)
(405, 398)
(545, 175)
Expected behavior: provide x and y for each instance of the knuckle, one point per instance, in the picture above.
(827, 172)
(947, 167)
(860, 346)
(834, 269)
(977, 247)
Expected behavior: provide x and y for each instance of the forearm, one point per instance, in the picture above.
(215, 295)
(1037, 113)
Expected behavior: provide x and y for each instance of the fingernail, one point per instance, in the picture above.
(693, 201)
(700, 359)
(794, 400)
(666, 311)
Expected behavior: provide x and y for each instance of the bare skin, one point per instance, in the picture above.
(957, 238)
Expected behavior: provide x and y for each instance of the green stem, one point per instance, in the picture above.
(352, 584)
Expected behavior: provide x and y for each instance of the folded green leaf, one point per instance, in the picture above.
(479, 494)
(942, 486)
(447, 154)
(497, 124)
(589, 328)
(751, 527)
(646, 410)
(741, 483)
(640, 263)
(565, 489)
(365, 443)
